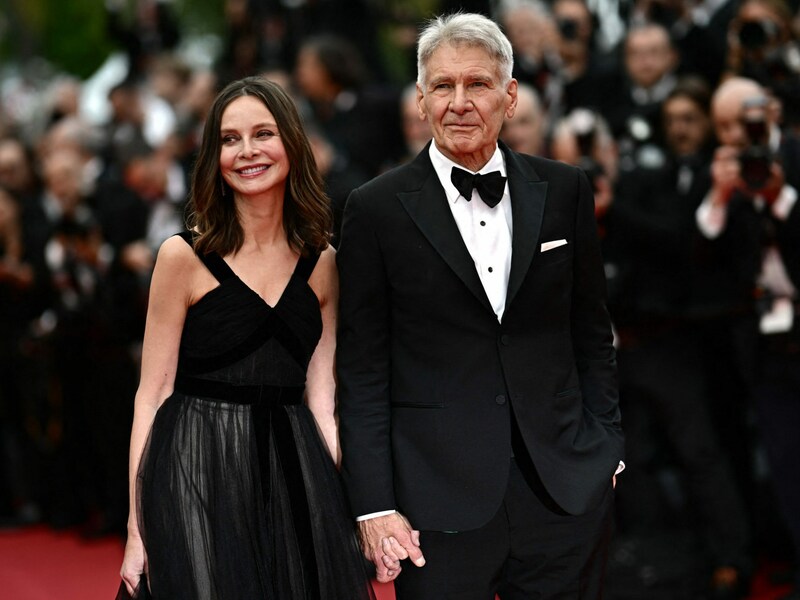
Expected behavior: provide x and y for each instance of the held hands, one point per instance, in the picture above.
(386, 541)
(134, 563)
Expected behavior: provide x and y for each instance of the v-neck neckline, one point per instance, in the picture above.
(259, 296)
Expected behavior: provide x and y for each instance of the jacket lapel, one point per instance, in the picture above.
(528, 196)
(427, 207)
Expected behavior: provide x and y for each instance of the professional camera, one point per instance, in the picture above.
(755, 161)
(568, 28)
(756, 35)
(583, 124)
(774, 65)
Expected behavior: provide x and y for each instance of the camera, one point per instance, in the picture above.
(568, 29)
(755, 161)
(583, 124)
(755, 35)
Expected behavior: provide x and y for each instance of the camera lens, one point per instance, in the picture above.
(756, 34)
(568, 28)
(755, 165)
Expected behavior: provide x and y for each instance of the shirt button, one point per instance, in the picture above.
(500, 399)
(491, 270)
(483, 223)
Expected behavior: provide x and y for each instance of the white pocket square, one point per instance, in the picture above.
(554, 244)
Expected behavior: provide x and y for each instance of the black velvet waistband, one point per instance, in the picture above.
(238, 394)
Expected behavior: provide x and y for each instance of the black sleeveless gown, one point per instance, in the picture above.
(238, 496)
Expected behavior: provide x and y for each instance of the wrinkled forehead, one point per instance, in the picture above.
(484, 58)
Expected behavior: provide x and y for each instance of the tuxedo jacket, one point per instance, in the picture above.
(427, 376)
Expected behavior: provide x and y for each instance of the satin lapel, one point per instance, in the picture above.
(428, 208)
(528, 195)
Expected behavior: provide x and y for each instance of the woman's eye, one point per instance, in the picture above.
(265, 133)
(229, 139)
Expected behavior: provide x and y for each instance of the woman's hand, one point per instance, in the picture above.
(134, 563)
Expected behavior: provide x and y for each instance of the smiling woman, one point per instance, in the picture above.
(252, 161)
(234, 487)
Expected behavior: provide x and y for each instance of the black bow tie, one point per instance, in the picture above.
(490, 186)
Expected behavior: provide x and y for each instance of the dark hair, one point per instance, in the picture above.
(340, 59)
(212, 210)
(694, 88)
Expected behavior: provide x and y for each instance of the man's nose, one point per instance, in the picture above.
(460, 101)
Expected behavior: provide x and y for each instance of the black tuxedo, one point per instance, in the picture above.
(428, 378)
(774, 357)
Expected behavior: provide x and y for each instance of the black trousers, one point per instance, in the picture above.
(663, 398)
(529, 550)
(778, 402)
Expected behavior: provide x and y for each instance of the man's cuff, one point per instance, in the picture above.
(374, 515)
(620, 468)
(784, 202)
(711, 218)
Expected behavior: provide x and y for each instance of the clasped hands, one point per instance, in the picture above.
(387, 540)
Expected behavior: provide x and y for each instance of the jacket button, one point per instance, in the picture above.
(505, 339)
(500, 399)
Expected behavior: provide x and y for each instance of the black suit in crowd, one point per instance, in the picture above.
(661, 320)
(432, 387)
(750, 229)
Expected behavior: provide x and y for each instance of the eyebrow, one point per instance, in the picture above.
(265, 124)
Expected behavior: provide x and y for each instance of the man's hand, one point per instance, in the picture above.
(726, 174)
(774, 185)
(386, 541)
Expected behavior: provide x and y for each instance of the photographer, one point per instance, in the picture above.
(588, 73)
(762, 47)
(582, 138)
(751, 220)
(660, 320)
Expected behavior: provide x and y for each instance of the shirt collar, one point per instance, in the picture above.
(443, 166)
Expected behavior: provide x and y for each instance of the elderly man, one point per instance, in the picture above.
(479, 412)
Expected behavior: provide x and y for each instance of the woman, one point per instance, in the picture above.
(236, 494)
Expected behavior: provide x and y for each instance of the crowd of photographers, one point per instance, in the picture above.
(684, 116)
(688, 134)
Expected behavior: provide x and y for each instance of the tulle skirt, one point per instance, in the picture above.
(242, 501)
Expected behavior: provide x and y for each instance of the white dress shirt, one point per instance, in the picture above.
(486, 231)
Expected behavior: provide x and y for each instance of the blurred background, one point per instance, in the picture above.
(102, 105)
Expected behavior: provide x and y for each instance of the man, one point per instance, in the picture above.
(662, 319)
(526, 131)
(479, 420)
(751, 218)
(633, 109)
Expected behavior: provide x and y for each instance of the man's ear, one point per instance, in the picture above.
(511, 90)
(423, 113)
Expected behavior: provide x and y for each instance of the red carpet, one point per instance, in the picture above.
(40, 564)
